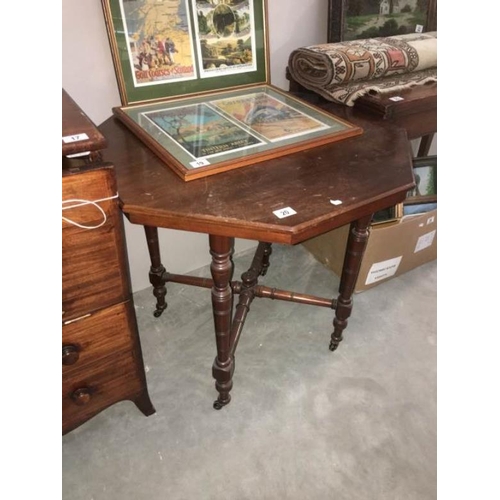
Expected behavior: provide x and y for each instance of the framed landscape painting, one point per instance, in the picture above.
(360, 19)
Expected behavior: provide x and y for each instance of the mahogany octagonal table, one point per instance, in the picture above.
(327, 186)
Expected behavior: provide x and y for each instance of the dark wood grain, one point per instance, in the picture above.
(99, 335)
(109, 368)
(221, 249)
(101, 352)
(366, 173)
(356, 245)
(327, 186)
(94, 261)
(416, 113)
(75, 121)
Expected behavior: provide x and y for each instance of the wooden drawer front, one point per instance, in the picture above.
(87, 392)
(94, 261)
(105, 333)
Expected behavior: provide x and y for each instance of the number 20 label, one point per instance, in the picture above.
(284, 212)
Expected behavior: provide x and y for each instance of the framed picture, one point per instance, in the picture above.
(359, 19)
(390, 214)
(194, 86)
(423, 197)
(206, 134)
(166, 48)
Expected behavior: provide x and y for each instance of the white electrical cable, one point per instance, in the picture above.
(81, 203)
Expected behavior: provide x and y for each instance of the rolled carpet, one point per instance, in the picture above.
(344, 71)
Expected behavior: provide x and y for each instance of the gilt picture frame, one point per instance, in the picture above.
(360, 19)
(165, 48)
(390, 214)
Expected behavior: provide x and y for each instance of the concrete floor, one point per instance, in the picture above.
(304, 423)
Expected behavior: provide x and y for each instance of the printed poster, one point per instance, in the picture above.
(201, 131)
(225, 36)
(269, 117)
(159, 41)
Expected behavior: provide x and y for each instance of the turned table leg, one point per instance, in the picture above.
(156, 271)
(221, 249)
(268, 250)
(356, 245)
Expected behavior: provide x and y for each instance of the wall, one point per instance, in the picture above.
(88, 76)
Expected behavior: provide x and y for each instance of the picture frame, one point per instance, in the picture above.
(194, 85)
(360, 19)
(423, 197)
(203, 135)
(391, 214)
(165, 48)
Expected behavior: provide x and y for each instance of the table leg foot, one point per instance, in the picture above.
(159, 310)
(223, 376)
(334, 344)
(218, 404)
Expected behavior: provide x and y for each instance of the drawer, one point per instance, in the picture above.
(94, 261)
(103, 334)
(89, 391)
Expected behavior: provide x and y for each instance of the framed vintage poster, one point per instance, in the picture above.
(204, 135)
(167, 48)
(193, 81)
(359, 19)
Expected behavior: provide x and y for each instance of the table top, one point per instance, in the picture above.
(78, 126)
(365, 174)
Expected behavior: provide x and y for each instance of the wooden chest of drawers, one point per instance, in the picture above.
(101, 352)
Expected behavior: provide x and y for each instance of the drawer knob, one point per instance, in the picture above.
(70, 354)
(81, 396)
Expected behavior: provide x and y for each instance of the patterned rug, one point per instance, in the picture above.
(344, 71)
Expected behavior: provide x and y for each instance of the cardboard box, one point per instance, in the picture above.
(393, 248)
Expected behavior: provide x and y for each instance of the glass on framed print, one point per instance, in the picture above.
(194, 84)
(167, 48)
(203, 135)
(360, 19)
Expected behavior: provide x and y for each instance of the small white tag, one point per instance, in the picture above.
(75, 138)
(419, 28)
(425, 241)
(396, 98)
(382, 270)
(284, 212)
(200, 162)
(430, 220)
(77, 155)
(335, 202)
